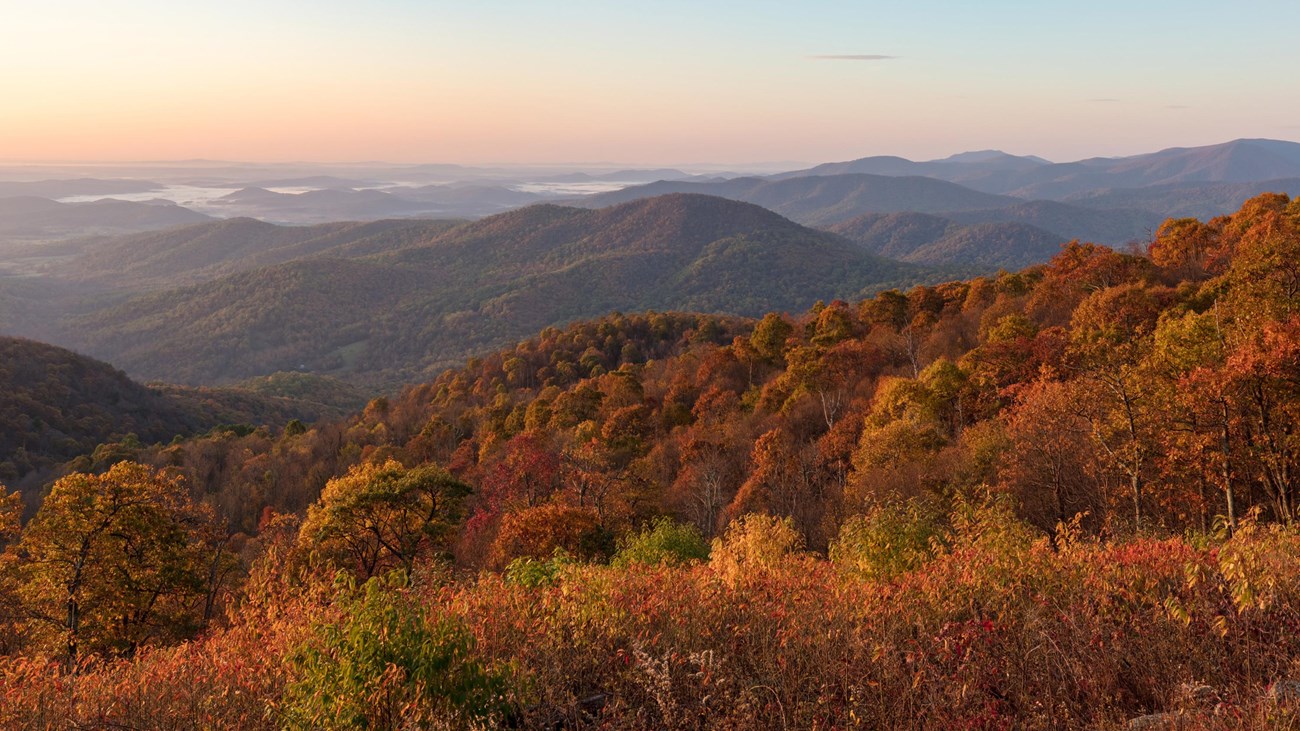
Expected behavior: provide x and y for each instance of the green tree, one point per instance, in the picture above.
(379, 517)
(113, 561)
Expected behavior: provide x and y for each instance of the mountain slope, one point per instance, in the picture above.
(1183, 200)
(1113, 227)
(924, 239)
(196, 253)
(824, 200)
(390, 317)
(33, 217)
(56, 405)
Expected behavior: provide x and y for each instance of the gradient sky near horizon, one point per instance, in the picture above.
(634, 81)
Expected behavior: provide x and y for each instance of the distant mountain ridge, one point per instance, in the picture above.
(824, 200)
(33, 217)
(1242, 160)
(190, 254)
(1183, 200)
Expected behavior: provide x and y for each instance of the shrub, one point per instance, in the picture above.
(662, 542)
(386, 664)
(752, 543)
(888, 540)
(538, 532)
(531, 572)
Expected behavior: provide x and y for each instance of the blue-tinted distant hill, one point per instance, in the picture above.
(823, 200)
(1245, 160)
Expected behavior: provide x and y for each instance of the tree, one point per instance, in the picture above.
(379, 517)
(785, 481)
(1111, 336)
(11, 513)
(1262, 380)
(525, 477)
(769, 336)
(1046, 467)
(1188, 248)
(538, 532)
(113, 561)
(1189, 354)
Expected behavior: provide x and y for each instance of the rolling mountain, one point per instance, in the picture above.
(468, 199)
(829, 200)
(56, 405)
(1183, 200)
(824, 200)
(1244, 160)
(959, 168)
(1113, 227)
(31, 217)
(191, 254)
(318, 206)
(397, 316)
(925, 239)
(73, 187)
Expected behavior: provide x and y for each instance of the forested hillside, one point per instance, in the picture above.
(924, 239)
(56, 405)
(32, 218)
(1062, 497)
(399, 316)
(190, 254)
(823, 200)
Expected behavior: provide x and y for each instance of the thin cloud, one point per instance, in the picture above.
(852, 57)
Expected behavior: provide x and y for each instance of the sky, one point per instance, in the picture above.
(626, 81)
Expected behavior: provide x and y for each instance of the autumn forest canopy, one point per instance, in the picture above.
(1063, 496)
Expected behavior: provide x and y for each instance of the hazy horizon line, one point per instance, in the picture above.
(45, 162)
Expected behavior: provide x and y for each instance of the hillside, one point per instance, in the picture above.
(205, 251)
(828, 200)
(392, 317)
(1113, 227)
(1184, 200)
(56, 405)
(318, 206)
(31, 217)
(823, 200)
(925, 239)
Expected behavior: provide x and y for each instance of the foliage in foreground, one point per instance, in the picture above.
(382, 663)
(995, 630)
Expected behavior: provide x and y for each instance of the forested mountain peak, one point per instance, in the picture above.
(480, 285)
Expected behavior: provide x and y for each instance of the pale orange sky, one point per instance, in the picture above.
(669, 82)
